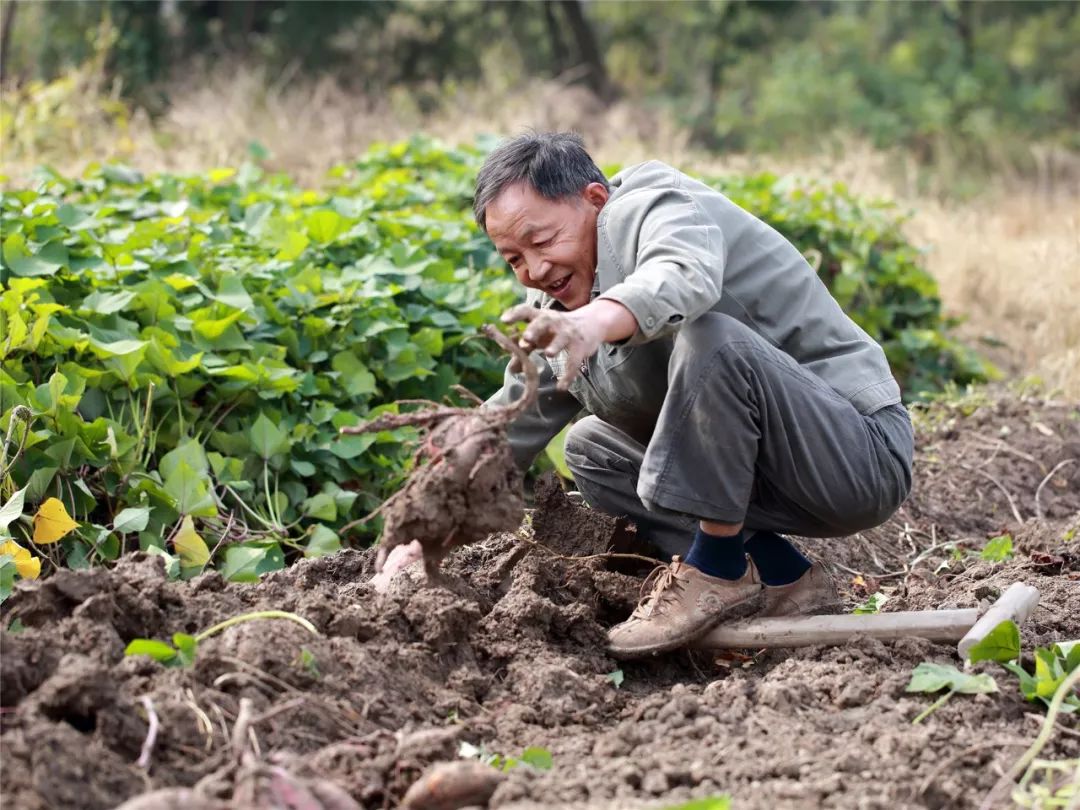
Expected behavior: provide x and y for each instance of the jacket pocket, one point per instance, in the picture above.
(635, 377)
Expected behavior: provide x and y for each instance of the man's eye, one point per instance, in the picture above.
(543, 244)
(514, 262)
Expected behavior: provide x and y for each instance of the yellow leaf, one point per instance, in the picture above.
(52, 522)
(221, 175)
(29, 567)
(189, 545)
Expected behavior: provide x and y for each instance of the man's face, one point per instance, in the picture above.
(550, 244)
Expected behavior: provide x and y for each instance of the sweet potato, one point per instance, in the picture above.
(465, 485)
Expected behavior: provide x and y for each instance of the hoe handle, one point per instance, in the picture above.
(804, 631)
(1016, 604)
(964, 625)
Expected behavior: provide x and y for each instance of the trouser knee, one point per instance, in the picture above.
(710, 335)
(588, 447)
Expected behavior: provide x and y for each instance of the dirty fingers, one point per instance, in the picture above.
(554, 332)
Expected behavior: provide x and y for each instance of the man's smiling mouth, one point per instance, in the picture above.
(559, 285)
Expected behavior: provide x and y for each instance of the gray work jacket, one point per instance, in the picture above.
(670, 248)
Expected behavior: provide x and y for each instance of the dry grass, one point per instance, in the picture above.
(1008, 262)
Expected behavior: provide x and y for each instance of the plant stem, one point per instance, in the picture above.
(179, 407)
(269, 501)
(144, 426)
(18, 414)
(1040, 740)
(248, 509)
(261, 614)
(933, 707)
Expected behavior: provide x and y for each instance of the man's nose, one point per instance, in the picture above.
(539, 269)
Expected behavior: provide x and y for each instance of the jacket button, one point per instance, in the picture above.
(650, 321)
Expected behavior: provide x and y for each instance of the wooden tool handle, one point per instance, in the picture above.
(804, 631)
(1017, 604)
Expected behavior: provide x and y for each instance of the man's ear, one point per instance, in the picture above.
(596, 195)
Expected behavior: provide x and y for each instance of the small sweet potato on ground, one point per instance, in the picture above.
(452, 785)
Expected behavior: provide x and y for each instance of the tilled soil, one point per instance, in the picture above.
(507, 652)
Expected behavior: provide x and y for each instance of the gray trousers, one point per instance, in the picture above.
(745, 435)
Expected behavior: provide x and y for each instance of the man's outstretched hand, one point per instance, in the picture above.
(579, 332)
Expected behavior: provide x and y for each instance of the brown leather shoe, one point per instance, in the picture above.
(813, 592)
(682, 605)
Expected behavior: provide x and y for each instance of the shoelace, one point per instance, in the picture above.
(659, 583)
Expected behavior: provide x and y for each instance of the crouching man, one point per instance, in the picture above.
(730, 400)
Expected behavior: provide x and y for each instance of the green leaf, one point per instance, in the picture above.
(556, 452)
(1049, 672)
(617, 677)
(305, 469)
(231, 292)
(109, 547)
(122, 175)
(13, 509)
(1000, 644)
(39, 482)
(292, 245)
(116, 348)
(323, 541)
(14, 249)
(46, 262)
(873, 604)
(429, 340)
(190, 491)
(186, 648)
(998, 549)
(326, 226)
(929, 677)
(7, 576)
(241, 563)
(78, 555)
(214, 328)
(246, 562)
(158, 650)
(347, 447)
(267, 439)
(190, 452)
(106, 303)
(355, 376)
(1069, 651)
(539, 758)
(132, 519)
(321, 507)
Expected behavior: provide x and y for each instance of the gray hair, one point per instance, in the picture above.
(554, 164)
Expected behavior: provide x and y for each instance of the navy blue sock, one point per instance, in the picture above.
(723, 557)
(776, 559)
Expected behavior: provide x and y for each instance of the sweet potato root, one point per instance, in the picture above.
(452, 785)
(465, 485)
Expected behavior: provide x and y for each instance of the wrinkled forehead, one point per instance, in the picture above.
(519, 211)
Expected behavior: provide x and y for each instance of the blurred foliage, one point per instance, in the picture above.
(951, 80)
(189, 346)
